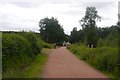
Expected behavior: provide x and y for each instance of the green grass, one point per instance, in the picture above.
(36, 68)
(33, 70)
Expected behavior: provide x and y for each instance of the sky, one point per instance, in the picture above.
(17, 15)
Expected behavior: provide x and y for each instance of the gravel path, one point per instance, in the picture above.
(63, 64)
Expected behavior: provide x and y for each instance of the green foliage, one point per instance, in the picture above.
(46, 45)
(110, 41)
(15, 50)
(36, 67)
(19, 49)
(101, 43)
(36, 42)
(91, 35)
(74, 36)
(107, 36)
(88, 23)
(51, 31)
(102, 58)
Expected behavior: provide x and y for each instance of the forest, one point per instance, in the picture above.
(97, 46)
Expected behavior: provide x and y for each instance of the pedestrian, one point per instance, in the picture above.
(55, 45)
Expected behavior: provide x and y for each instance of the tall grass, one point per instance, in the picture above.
(102, 58)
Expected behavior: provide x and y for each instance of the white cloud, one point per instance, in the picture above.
(58, 1)
(25, 15)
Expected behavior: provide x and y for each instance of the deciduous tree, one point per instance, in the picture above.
(51, 31)
(88, 23)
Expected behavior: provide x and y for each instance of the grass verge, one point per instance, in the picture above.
(101, 58)
(36, 68)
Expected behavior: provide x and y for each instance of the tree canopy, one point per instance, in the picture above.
(74, 36)
(88, 23)
(51, 31)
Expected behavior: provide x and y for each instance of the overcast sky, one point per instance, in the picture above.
(25, 14)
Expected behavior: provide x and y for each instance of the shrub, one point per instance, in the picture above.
(13, 48)
(34, 40)
(19, 49)
(45, 45)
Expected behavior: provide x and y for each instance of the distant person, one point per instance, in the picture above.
(88, 46)
(64, 43)
(67, 44)
(92, 46)
(55, 45)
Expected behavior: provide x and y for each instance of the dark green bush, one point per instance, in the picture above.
(34, 40)
(19, 49)
(13, 48)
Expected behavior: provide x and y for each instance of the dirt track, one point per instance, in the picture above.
(63, 64)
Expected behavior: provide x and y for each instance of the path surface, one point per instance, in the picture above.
(63, 64)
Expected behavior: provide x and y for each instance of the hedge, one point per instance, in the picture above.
(14, 46)
(18, 50)
(35, 41)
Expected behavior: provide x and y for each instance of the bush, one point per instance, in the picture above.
(16, 51)
(45, 45)
(19, 49)
(34, 40)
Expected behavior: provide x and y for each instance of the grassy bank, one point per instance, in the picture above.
(104, 59)
(33, 70)
(36, 67)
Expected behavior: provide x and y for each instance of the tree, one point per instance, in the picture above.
(51, 31)
(108, 36)
(74, 36)
(88, 23)
(118, 23)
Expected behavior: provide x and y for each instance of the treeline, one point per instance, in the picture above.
(19, 49)
(107, 36)
(90, 34)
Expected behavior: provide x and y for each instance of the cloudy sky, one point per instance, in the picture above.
(16, 15)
